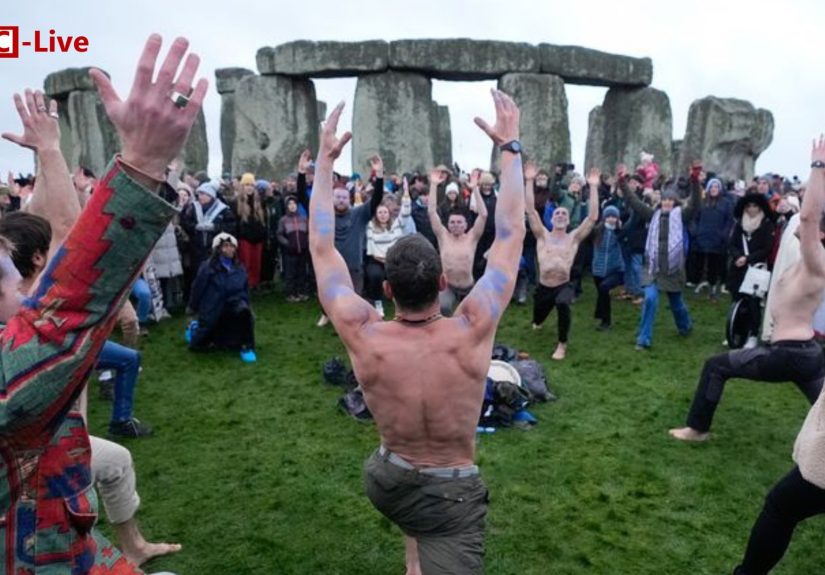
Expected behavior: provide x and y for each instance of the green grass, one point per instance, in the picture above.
(254, 470)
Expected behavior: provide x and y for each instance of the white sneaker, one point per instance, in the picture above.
(700, 287)
(379, 307)
(751, 343)
(106, 375)
(322, 321)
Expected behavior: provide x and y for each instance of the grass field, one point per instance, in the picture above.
(254, 470)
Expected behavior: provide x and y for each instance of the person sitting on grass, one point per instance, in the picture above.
(220, 299)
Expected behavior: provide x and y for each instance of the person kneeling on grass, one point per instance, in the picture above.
(220, 298)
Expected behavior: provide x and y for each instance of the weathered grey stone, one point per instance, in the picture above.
(578, 65)
(634, 120)
(59, 84)
(595, 138)
(324, 59)
(727, 135)
(322, 111)
(226, 79)
(276, 118)
(442, 136)
(544, 129)
(196, 150)
(676, 150)
(392, 117)
(94, 140)
(463, 59)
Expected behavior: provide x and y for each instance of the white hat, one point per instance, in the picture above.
(224, 237)
(452, 187)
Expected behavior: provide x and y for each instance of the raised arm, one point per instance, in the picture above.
(533, 217)
(437, 177)
(485, 305)
(594, 177)
(338, 298)
(54, 197)
(304, 163)
(377, 165)
(481, 214)
(631, 199)
(51, 344)
(695, 186)
(810, 216)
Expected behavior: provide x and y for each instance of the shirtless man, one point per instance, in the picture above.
(555, 252)
(456, 244)
(792, 355)
(422, 477)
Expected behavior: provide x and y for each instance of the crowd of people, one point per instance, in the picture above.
(449, 249)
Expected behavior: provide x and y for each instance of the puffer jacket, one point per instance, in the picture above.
(165, 258)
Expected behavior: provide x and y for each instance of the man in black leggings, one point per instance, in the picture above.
(801, 493)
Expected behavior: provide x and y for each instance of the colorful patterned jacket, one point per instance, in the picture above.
(48, 507)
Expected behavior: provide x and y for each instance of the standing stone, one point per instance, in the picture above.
(630, 121)
(322, 111)
(60, 84)
(196, 149)
(392, 116)
(442, 136)
(276, 118)
(577, 65)
(727, 135)
(544, 129)
(463, 59)
(675, 154)
(94, 140)
(324, 59)
(226, 81)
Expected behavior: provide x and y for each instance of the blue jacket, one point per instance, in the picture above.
(607, 254)
(713, 226)
(214, 287)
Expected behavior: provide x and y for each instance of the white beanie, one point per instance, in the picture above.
(223, 237)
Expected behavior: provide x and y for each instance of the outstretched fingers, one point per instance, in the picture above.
(21, 109)
(170, 65)
(484, 126)
(107, 92)
(332, 120)
(146, 65)
(342, 142)
(196, 100)
(183, 84)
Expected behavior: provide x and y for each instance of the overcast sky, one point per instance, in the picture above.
(768, 53)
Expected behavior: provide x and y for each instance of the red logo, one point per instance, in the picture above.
(9, 47)
(50, 42)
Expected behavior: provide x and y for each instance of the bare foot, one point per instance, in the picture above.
(561, 352)
(689, 434)
(142, 554)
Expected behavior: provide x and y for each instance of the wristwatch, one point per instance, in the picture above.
(818, 164)
(513, 146)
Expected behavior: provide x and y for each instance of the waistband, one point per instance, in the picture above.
(795, 343)
(461, 472)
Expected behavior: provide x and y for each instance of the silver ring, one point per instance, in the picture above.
(41, 109)
(180, 100)
(54, 115)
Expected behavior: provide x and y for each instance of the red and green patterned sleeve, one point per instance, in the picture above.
(48, 349)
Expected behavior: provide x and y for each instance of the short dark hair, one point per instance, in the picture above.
(29, 234)
(458, 212)
(413, 269)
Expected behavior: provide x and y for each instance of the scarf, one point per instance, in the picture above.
(751, 224)
(675, 242)
(214, 210)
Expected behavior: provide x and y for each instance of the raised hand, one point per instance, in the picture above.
(531, 170)
(695, 169)
(437, 177)
(594, 177)
(506, 127)
(818, 150)
(305, 161)
(621, 171)
(377, 165)
(40, 129)
(152, 127)
(331, 144)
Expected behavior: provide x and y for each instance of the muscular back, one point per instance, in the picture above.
(424, 386)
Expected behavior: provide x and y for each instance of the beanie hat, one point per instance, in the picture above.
(610, 211)
(261, 185)
(671, 194)
(224, 237)
(486, 179)
(248, 178)
(452, 187)
(716, 181)
(208, 188)
(645, 156)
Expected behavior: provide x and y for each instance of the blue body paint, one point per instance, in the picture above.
(493, 285)
(324, 223)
